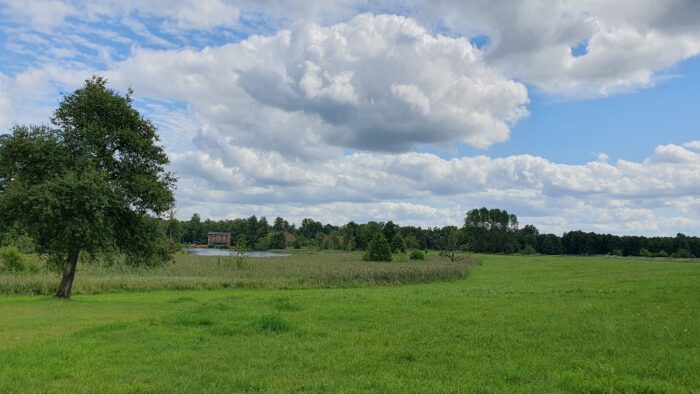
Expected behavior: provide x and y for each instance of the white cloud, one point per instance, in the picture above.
(47, 15)
(290, 123)
(620, 198)
(627, 42)
(348, 85)
(43, 15)
(695, 145)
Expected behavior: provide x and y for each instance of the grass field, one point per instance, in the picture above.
(515, 324)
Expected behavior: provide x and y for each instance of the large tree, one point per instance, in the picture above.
(89, 184)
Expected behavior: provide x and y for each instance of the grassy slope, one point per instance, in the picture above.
(516, 324)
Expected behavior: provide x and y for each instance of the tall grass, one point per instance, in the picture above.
(187, 272)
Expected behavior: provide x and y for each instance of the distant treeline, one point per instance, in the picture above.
(484, 231)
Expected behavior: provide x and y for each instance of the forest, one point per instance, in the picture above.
(484, 231)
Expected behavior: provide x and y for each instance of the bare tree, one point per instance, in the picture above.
(447, 242)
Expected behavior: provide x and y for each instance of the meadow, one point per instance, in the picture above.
(530, 324)
(302, 269)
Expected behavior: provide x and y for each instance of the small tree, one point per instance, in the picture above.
(447, 241)
(378, 249)
(398, 244)
(90, 185)
(240, 251)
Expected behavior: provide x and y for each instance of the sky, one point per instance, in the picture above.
(571, 114)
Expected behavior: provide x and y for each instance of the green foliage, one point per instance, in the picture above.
(662, 253)
(241, 253)
(529, 250)
(11, 260)
(398, 244)
(644, 252)
(683, 253)
(412, 242)
(490, 230)
(617, 252)
(18, 237)
(89, 185)
(351, 244)
(378, 249)
(416, 254)
(275, 240)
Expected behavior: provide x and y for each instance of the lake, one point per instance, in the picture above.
(226, 252)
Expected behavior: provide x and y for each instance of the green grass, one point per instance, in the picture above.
(303, 269)
(515, 324)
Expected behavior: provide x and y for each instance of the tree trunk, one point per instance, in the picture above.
(66, 287)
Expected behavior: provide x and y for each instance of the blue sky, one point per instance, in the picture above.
(625, 126)
(574, 115)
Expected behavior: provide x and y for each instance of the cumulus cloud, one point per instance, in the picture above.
(573, 48)
(319, 114)
(381, 83)
(621, 197)
(622, 43)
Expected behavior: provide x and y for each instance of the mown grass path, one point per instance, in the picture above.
(516, 324)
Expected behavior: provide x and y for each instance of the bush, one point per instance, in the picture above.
(644, 252)
(378, 249)
(682, 253)
(529, 250)
(416, 254)
(617, 252)
(12, 260)
(662, 254)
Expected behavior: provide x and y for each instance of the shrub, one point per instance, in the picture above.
(529, 250)
(12, 260)
(617, 252)
(662, 253)
(417, 254)
(378, 249)
(683, 253)
(644, 252)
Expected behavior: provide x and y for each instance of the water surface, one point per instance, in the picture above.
(226, 252)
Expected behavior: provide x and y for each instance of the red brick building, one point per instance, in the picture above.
(214, 238)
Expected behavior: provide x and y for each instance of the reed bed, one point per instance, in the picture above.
(308, 269)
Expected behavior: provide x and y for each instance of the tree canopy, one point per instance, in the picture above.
(89, 183)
